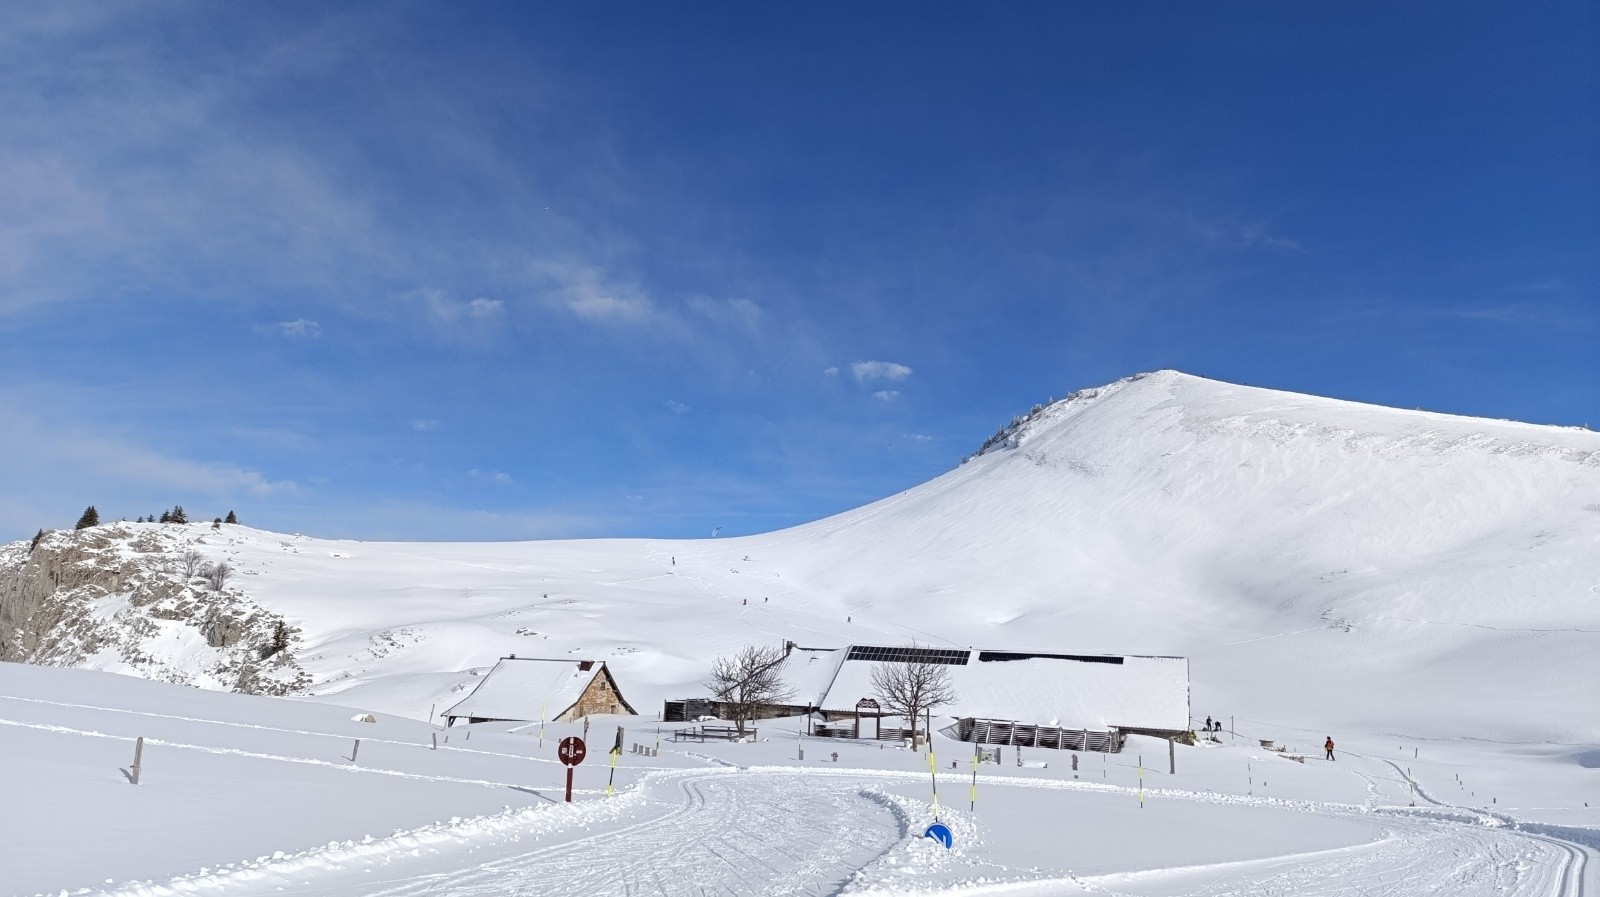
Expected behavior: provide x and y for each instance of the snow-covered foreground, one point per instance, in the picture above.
(245, 795)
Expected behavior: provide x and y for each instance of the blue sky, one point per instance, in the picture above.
(496, 271)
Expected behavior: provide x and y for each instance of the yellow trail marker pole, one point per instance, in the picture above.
(933, 770)
(616, 754)
(972, 801)
(1141, 781)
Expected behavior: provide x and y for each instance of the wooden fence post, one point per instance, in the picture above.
(355, 750)
(1172, 756)
(138, 758)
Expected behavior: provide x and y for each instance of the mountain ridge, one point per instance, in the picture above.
(1307, 554)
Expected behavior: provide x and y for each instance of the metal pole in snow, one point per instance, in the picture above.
(972, 803)
(431, 708)
(616, 754)
(1172, 757)
(436, 741)
(933, 770)
(355, 750)
(1141, 781)
(138, 758)
(542, 709)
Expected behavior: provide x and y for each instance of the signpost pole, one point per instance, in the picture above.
(571, 752)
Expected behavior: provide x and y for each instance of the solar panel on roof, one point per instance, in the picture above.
(992, 656)
(947, 656)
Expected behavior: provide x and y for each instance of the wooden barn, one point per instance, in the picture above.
(527, 689)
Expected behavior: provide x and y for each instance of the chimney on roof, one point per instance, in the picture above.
(788, 646)
(585, 664)
(512, 657)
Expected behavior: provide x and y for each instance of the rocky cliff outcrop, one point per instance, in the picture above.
(133, 598)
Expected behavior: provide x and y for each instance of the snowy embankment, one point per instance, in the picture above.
(243, 795)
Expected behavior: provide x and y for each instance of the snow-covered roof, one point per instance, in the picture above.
(807, 673)
(528, 688)
(1068, 690)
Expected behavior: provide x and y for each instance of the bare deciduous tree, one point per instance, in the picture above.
(748, 681)
(217, 575)
(190, 563)
(912, 688)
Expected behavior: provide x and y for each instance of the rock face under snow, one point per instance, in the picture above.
(115, 597)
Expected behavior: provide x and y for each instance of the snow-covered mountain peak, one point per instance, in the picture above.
(1137, 408)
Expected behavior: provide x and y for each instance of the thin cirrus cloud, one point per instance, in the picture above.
(886, 395)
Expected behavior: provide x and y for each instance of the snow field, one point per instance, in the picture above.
(261, 799)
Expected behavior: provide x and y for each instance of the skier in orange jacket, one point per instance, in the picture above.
(1328, 747)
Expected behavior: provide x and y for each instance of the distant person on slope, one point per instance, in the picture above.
(1327, 746)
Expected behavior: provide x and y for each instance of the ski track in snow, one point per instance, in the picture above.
(695, 833)
(1416, 857)
(776, 830)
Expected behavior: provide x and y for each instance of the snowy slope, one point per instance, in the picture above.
(1324, 564)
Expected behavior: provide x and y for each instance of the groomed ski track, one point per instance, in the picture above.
(771, 830)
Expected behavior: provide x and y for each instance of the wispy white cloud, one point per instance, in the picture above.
(447, 310)
(608, 309)
(886, 395)
(678, 408)
(498, 477)
(424, 425)
(1233, 233)
(830, 371)
(300, 328)
(869, 371)
(738, 314)
(113, 470)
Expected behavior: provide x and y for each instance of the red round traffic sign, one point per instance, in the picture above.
(572, 750)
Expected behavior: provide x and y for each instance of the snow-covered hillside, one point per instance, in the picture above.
(1325, 564)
